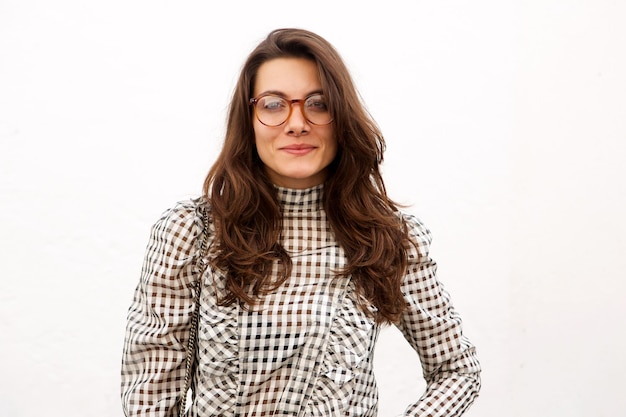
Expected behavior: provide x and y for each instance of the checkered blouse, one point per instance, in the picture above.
(305, 350)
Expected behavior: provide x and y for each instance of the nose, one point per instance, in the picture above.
(297, 124)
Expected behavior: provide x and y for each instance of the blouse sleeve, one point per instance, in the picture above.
(159, 318)
(434, 329)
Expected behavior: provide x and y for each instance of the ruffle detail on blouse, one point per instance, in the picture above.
(218, 360)
(352, 337)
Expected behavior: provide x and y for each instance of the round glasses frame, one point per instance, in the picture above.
(255, 100)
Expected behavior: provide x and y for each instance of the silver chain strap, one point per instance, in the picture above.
(193, 331)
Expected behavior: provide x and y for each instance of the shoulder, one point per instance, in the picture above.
(180, 215)
(180, 224)
(419, 235)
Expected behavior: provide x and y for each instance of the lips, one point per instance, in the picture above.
(301, 149)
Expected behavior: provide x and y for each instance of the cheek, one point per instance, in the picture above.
(262, 141)
(332, 144)
(263, 133)
(256, 130)
(258, 135)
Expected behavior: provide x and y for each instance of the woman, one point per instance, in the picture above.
(307, 259)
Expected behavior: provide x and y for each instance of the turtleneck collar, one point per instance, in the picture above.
(295, 199)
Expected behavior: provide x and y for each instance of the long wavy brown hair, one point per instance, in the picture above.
(243, 202)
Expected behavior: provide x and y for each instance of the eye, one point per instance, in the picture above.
(316, 103)
(272, 103)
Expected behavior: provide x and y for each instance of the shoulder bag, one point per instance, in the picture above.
(193, 331)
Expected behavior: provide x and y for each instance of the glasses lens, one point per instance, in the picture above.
(316, 110)
(272, 110)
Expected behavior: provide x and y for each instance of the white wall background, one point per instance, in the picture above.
(505, 123)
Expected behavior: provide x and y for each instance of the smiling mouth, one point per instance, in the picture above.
(298, 149)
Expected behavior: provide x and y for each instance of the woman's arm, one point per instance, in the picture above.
(159, 318)
(434, 329)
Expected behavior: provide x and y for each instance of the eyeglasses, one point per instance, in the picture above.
(273, 110)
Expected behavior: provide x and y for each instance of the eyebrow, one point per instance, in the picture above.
(281, 94)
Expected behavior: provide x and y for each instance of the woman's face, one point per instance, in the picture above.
(297, 153)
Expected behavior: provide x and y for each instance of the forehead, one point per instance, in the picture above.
(293, 77)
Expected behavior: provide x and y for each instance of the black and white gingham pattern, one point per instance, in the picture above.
(304, 350)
